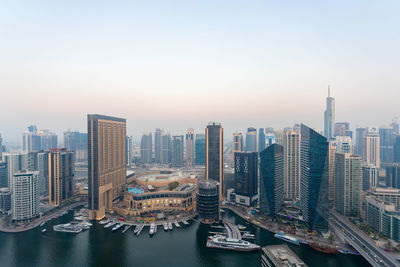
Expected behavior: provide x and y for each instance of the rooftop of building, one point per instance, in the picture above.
(283, 255)
(142, 189)
(389, 190)
(167, 175)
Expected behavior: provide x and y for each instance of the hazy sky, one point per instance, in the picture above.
(180, 64)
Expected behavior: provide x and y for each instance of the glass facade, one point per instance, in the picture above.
(200, 150)
(207, 199)
(246, 173)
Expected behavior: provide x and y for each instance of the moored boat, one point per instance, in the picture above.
(287, 238)
(221, 242)
(152, 227)
(185, 222)
(177, 224)
(170, 226)
(165, 225)
(109, 224)
(117, 226)
(137, 228)
(67, 228)
(323, 248)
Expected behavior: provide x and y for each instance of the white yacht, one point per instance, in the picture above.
(177, 224)
(67, 228)
(117, 226)
(170, 226)
(152, 227)
(165, 225)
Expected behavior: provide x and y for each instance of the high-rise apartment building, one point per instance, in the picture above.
(314, 184)
(237, 145)
(360, 134)
(269, 139)
(1, 148)
(146, 148)
(344, 144)
(158, 144)
(189, 148)
(25, 195)
(271, 179)
(278, 136)
(215, 154)
(106, 162)
(61, 174)
(246, 177)
(43, 168)
(331, 178)
(291, 147)
(200, 150)
(3, 175)
(386, 141)
(348, 184)
(177, 151)
(251, 140)
(393, 175)
(16, 161)
(342, 128)
(396, 148)
(166, 148)
(35, 140)
(371, 152)
(329, 120)
(77, 142)
(261, 140)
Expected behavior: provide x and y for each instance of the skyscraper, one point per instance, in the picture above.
(215, 154)
(177, 151)
(237, 145)
(386, 136)
(348, 184)
(16, 161)
(207, 201)
(396, 148)
(190, 148)
(246, 177)
(261, 140)
(107, 165)
(35, 140)
(61, 174)
(278, 135)
(331, 179)
(291, 147)
(271, 179)
(370, 177)
(77, 142)
(200, 150)
(1, 148)
(25, 195)
(360, 134)
(251, 140)
(344, 144)
(342, 128)
(3, 175)
(157, 144)
(43, 168)
(371, 150)
(329, 121)
(393, 175)
(146, 148)
(314, 178)
(166, 148)
(129, 150)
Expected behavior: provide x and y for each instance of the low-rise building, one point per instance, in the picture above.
(5, 200)
(280, 256)
(388, 195)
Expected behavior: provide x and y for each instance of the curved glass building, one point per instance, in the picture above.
(207, 199)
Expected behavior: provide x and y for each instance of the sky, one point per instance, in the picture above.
(180, 64)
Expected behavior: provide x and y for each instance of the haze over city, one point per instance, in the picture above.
(177, 64)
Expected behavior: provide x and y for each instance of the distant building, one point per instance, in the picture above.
(43, 168)
(166, 148)
(314, 185)
(215, 154)
(393, 175)
(38, 140)
(61, 174)
(77, 142)
(331, 158)
(278, 136)
(370, 177)
(251, 140)
(106, 144)
(371, 143)
(360, 134)
(291, 144)
(5, 200)
(271, 179)
(270, 139)
(1, 148)
(237, 145)
(177, 151)
(246, 177)
(348, 184)
(158, 144)
(16, 161)
(344, 144)
(25, 195)
(329, 116)
(190, 148)
(341, 128)
(200, 150)
(388, 195)
(386, 141)
(207, 200)
(129, 150)
(3, 175)
(146, 148)
(396, 148)
(261, 140)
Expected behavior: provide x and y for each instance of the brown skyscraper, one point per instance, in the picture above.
(61, 174)
(106, 162)
(215, 154)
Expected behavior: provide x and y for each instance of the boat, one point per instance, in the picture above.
(117, 226)
(248, 235)
(241, 227)
(222, 242)
(79, 218)
(109, 224)
(324, 248)
(137, 228)
(165, 225)
(287, 238)
(44, 231)
(104, 221)
(185, 222)
(177, 224)
(152, 226)
(170, 226)
(67, 228)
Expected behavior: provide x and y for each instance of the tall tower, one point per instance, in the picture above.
(261, 140)
(314, 185)
(190, 148)
(246, 177)
(177, 151)
(61, 174)
(215, 154)
(348, 184)
(106, 162)
(291, 146)
(329, 121)
(332, 154)
(200, 150)
(166, 148)
(237, 145)
(158, 144)
(386, 135)
(251, 140)
(25, 186)
(371, 149)
(146, 148)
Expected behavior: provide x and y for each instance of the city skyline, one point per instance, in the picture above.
(149, 64)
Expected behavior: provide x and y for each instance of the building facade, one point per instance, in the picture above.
(189, 148)
(106, 162)
(261, 140)
(157, 144)
(371, 150)
(177, 151)
(386, 141)
(291, 147)
(370, 177)
(207, 200)
(329, 116)
(246, 177)
(146, 148)
(25, 195)
(237, 145)
(200, 150)
(251, 140)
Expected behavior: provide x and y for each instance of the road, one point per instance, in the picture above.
(364, 244)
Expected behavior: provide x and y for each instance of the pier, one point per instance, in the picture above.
(140, 230)
(126, 228)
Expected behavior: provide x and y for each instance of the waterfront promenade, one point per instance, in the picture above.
(16, 228)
